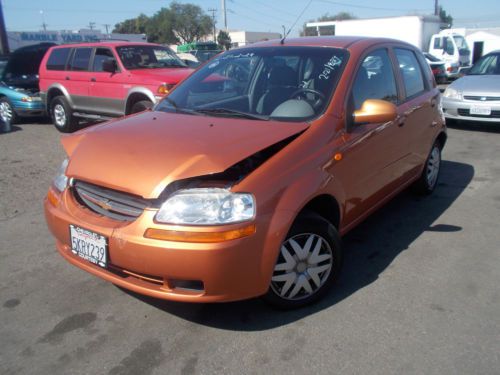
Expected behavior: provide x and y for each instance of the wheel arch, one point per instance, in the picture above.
(136, 95)
(54, 91)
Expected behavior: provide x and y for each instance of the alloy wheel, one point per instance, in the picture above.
(59, 115)
(303, 266)
(5, 112)
(433, 165)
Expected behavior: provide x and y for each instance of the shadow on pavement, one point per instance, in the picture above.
(487, 127)
(369, 249)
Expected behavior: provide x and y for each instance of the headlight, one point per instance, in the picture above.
(452, 93)
(61, 181)
(211, 206)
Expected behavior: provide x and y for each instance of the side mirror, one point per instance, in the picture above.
(375, 111)
(464, 72)
(109, 66)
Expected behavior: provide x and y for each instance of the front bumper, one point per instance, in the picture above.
(228, 271)
(29, 109)
(460, 110)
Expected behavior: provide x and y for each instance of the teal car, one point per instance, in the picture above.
(19, 91)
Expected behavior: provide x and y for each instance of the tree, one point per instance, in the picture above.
(190, 23)
(326, 30)
(224, 40)
(445, 17)
(179, 23)
(132, 26)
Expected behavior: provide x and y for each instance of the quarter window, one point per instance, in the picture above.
(58, 58)
(410, 71)
(375, 79)
(81, 59)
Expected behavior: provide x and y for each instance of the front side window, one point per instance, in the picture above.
(282, 83)
(81, 59)
(148, 57)
(375, 79)
(486, 65)
(410, 71)
(101, 55)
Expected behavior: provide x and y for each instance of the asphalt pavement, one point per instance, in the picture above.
(419, 292)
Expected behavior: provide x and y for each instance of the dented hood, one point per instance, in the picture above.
(142, 154)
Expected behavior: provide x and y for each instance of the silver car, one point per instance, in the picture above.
(476, 96)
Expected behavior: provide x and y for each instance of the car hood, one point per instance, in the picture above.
(484, 84)
(167, 75)
(141, 154)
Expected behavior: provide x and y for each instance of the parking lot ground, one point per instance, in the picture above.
(419, 292)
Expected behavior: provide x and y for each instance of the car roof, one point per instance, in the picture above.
(107, 44)
(346, 42)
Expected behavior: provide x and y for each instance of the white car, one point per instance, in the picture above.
(476, 96)
(451, 69)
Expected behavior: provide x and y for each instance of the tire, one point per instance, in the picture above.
(62, 115)
(296, 283)
(141, 106)
(7, 112)
(428, 180)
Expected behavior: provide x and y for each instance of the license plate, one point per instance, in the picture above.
(485, 111)
(89, 245)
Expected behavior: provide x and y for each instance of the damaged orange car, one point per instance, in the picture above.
(241, 182)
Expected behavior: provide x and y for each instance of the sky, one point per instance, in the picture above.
(249, 15)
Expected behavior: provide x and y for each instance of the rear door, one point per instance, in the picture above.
(418, 107)
(107, 90)
(77, 78)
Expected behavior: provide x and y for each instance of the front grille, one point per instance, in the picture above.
(466, 112)
(482, 98)
(107, 202)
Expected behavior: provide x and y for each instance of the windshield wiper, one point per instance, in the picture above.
(178, 109)
(230, 113)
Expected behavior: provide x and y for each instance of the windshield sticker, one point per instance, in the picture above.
(329, 67)
(238, 56)
(214, 64)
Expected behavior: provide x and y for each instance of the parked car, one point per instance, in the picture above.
(438, 68)
(451, 69)
(240, 185)
(476, 96)
(102, 80)
(19, 91)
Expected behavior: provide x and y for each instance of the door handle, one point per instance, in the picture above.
(67, 78)
(92, 79)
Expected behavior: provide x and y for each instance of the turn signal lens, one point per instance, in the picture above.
(52, 198)
(201, 237)
(165, 89)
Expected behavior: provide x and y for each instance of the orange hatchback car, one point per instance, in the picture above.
(241, 181)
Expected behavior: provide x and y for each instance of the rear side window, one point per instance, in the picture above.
(81, 59)
(410, 71)
(58, 58)
(375, 79)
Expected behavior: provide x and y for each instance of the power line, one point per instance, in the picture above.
(370, 7)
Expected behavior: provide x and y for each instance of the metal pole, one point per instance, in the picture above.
(4, 42)
(224, 13)
(436, 8)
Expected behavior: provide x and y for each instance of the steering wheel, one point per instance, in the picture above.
(304, 90)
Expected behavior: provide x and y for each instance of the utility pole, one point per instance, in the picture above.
(224, 14)
(212, 10)
(44, 25)
(436, 8)
(91, 25)
(107, 26)
(4, 42)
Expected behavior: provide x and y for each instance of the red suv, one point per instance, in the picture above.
(102, 80)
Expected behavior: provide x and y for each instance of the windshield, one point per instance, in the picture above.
(148, 57)
(460, 41)
(282, 83)
(486, 65)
